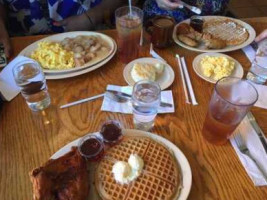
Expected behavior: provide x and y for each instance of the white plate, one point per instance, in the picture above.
(201, 48)
(180, 157)
(165, 80)
(237, 72)
(59, 37)
(82, 71)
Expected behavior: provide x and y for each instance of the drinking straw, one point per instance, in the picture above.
(130, 7)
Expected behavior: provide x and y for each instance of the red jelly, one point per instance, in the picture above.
(91, 147)
(111, 132)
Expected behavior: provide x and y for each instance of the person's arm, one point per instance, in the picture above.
(261, 36)
(89, 19)
(213, 7)
(4, 38)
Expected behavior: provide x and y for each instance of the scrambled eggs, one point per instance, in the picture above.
(51, 55)
(217, 67)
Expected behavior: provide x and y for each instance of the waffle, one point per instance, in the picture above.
(226, 29)
(159, 180)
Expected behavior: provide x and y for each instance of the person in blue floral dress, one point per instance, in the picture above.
(173, 8)
(28, 17)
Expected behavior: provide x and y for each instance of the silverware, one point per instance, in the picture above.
(258, 130)
(128, 97)
(154, 54)
(192, 8)
(243, 148)
(116, 97)
(82, 101)
(254, 45)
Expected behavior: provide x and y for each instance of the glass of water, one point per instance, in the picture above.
(145, 101)
(258, 69)
(30, 78)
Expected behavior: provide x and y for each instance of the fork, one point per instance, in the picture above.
(244, 149)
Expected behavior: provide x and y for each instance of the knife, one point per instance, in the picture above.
(258, 130)
(162, 104)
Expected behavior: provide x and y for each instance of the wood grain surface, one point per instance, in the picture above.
(28, 139)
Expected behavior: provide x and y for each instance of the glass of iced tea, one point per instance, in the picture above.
(129, 27)
(231, 100)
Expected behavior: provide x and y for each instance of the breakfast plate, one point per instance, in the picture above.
(202, 48)
(164, 80)
(51, 76)
(184, 166)
(59, 37)
(237, 71)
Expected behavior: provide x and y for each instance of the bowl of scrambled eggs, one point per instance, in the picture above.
(214, 66)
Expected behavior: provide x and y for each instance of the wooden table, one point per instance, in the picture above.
(28, 139)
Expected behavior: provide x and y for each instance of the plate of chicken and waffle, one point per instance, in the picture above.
(219, 34)
(166, 173)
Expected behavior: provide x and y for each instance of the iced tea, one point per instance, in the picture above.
(231, 100)
(129, 27)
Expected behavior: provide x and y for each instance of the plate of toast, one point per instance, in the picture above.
(218, 34)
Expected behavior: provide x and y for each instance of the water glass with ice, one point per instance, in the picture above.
(258, 69)
(30, 78)
(145, 101)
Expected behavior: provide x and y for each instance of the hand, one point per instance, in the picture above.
(261, 36)
(4, 39)
(168, 4)
(75, 23)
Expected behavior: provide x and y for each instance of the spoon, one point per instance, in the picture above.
(123, 97)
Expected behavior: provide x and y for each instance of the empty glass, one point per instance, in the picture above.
(145, 101)
(231, 100)
(30, 78)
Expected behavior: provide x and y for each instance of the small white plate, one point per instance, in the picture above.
(165, 80)
(185, 169)
(237, 72)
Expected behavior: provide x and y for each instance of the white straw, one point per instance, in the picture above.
(182, 77)
(130, 7)
(82, 101)
(188, 81)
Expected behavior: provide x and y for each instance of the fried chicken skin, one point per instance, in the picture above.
(64, 178)
(187, 40)
(212, 42)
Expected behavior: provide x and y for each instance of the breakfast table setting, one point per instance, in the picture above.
(80, 103)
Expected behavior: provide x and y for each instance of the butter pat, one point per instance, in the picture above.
(125, 172)
(217, 67)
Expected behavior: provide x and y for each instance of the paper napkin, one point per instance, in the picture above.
(257, 151)
(113, 106)
(8, 87)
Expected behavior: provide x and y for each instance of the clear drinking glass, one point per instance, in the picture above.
(129, 28)
(258, 69)
(145, 101)
(30, 78)
(231, 100)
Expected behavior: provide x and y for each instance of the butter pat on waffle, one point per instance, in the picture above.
(160, 178)
(226, 29)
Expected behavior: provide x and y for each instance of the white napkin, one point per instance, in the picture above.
(8, 87)
(113, 106)
(256, 149)
(250, 52)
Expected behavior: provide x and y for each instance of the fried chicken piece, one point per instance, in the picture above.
(184, 28)
(64, 178)
(212, 42)
(187, 40)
